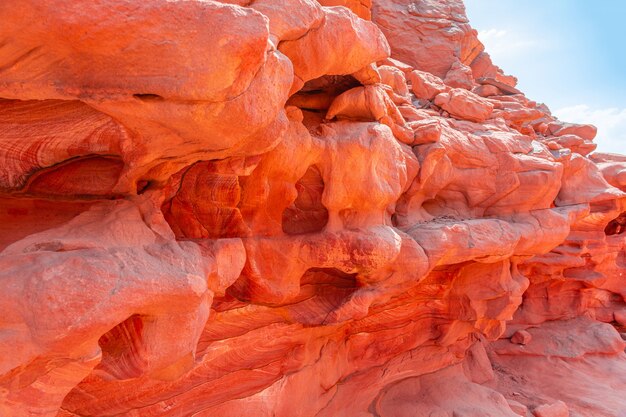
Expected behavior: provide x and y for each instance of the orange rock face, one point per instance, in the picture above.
(296, 208)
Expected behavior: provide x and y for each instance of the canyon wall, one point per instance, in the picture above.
(296, 208)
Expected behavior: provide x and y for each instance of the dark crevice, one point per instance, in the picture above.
(148, 97)
(318, 94)
(143, 186)
(616, 226)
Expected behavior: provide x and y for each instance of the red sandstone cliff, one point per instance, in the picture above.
(296, 208)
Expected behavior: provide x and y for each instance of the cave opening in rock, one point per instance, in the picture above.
(616, 226)
(122, 349)
(322, 291)
(90, 176)
(148, 97)
(306, 214)
(143, 186)
(206, 204)
(318, 94)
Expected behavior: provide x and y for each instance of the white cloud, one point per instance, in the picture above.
(489, 34)
(503, 44)
(611, 124)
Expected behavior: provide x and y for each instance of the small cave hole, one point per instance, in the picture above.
(143, 186)
(329, 276)
(123, 349)
(148, 97)
(317, 95)
(306, 214)
(616, 226)
(90, 176)
(434, 207)
(322, 291)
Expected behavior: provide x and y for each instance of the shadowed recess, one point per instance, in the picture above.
(122, 349)
(318, 94)
(206, 204)
(616, 226)
(322, 291)
(86, 176)
(307, 214)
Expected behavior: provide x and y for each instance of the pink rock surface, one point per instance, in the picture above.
(521, 337)
(557, 409)
(426, 85)
(297, 208)
(464, 105)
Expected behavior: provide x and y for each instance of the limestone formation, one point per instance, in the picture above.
(296, 208)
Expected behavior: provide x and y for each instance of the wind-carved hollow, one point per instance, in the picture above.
(322, 291)
(142, 186)
(616, 226)
(123, 349)
(437, 208)
(89, 176)
(306, 214)
(206, 204)
(317, 95)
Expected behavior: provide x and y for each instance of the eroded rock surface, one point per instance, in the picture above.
(296, 208)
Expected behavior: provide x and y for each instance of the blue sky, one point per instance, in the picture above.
(569, 54)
